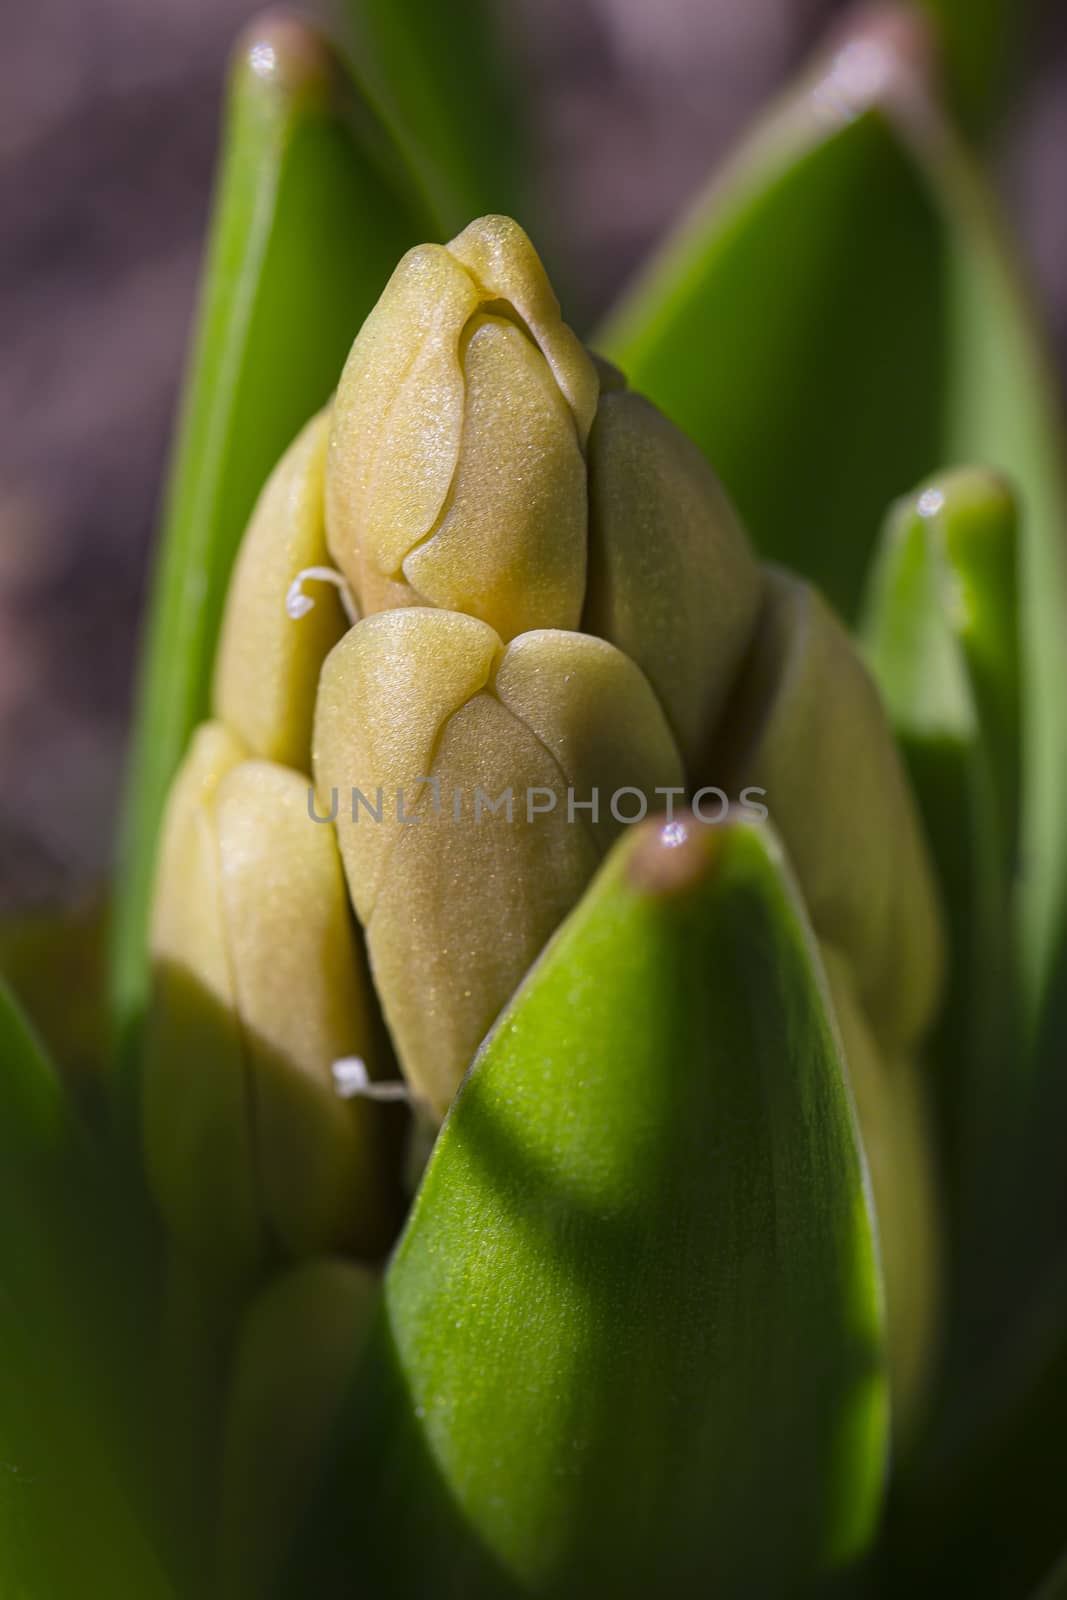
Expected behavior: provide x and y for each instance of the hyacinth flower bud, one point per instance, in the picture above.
(297, 1350)
(673, 580)
(456, 474)
(462, 773)
(267, 670)
(257, 990)
(807, 725)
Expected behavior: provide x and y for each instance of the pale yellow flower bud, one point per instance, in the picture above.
(258, 990)
(428, 716)
(673, 580)
(197, 1134)
(297, 1352)
(456, 473)
(267, 668)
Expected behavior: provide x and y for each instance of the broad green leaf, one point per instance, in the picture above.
(441, 77)
(632, 1338)
(74, 1514)
(941, 632)
(310, 217)
(785, 319)
(839, 318)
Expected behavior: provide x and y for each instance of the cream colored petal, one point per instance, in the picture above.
(596, 712)
(195, 1105)
(465, 907)
(511, 547)
(267, 668)
(397, 421)
(672, 579)
(809, 728)
(385, 692)
(460, 900)
(299, 990)
(504, 263)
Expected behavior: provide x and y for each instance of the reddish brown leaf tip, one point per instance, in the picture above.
(284, 51)
(902, 31)
(669, 858)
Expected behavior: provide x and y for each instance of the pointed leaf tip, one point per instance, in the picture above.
(676, 856)
(312, 209)
(283, 51)
(901, 32)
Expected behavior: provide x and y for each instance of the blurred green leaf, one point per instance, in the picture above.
(838, 319)
(45, 952)
(632, 1338)
(442, 81)
(984, 1515)
(297, 1352)
(941, 631)
(981, 43)
(1055, 1585)
(73, 1464)
(310, 218)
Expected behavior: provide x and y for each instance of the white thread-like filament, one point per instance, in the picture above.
(352, 1080)
(298, 604)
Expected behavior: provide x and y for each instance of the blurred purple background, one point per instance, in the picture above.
(108, 124)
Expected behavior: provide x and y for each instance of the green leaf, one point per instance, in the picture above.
(984, 1515)
(941, 631)
(297, 1351)
(839, 318)
(632, 1338)
(310, 217)
(784, 321)
(441, 79)
(71, 1520)
(981, 43)
(1055, 1585)
(45, 952)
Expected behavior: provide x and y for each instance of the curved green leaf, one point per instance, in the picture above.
(635, 1321)
(839, 318)
(786, 319)
(441, 78)
(310, 217)
(74, 1514)
(941, 630)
